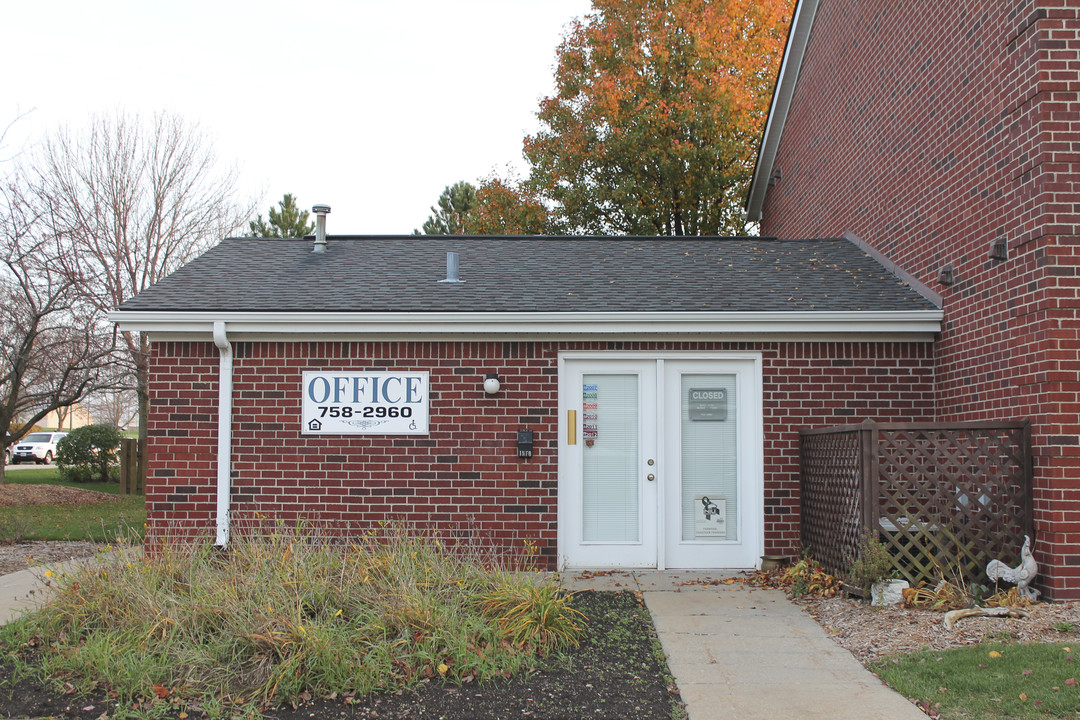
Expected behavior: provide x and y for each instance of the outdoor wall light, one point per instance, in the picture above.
(947, 276)
(999, 249)
(491, 383)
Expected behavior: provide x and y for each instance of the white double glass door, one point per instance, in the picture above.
(660, 461)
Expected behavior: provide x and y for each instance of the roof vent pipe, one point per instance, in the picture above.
(452, 269)
(321, 211)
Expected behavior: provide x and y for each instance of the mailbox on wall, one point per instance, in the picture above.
(525, 443)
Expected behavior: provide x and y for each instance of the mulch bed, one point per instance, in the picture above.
(13, 495)
(615, 674)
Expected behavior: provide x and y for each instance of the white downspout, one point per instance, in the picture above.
(224, 446)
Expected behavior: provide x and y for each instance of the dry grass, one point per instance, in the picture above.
(289, 615)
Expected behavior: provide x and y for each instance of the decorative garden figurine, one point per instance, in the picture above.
(1021, 575)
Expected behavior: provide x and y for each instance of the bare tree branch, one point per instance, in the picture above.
(132, 202)
(51, 342)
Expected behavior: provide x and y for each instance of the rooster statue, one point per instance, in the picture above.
(1021, 575)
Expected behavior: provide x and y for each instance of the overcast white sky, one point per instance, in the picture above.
(371, 107)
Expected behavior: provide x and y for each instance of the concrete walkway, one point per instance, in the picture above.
(27, 589)
(740, 652)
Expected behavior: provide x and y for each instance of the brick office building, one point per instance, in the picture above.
(663, 381)
(947, 137)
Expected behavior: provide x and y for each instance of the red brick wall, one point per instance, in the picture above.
(931, 129)
(464, 477)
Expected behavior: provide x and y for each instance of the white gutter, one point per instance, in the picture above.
(790, 67)
(399, 324)
(224, 446)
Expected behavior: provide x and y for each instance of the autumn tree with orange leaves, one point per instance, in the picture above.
(508, 207)
(499, 206)
(659, 109)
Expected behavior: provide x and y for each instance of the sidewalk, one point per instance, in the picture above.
(26, 589)
(748, 653)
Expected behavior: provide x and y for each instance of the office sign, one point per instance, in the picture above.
(365, 403)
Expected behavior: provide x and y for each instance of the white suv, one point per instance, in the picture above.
(39, 447)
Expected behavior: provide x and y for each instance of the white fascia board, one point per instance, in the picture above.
(245, 325)
(790, 66)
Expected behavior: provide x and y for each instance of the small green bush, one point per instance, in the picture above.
(86, 454)
(872, 563)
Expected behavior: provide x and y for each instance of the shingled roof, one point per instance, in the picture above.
(382, 274)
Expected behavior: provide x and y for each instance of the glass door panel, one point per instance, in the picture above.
(710, 487)
(610, 457)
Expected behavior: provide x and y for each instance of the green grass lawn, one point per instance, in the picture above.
(99, 522)
(1038, 680)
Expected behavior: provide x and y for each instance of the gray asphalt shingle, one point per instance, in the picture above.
(530, 274)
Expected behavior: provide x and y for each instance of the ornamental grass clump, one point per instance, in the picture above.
(285, 616)
(533, 614)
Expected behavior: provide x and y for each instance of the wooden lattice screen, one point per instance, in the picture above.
(938, 496)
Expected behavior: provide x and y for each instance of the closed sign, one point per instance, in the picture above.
(365, 403)
(708, 404)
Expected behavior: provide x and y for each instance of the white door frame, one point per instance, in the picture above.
(751, 445)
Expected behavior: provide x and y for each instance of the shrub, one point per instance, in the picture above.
(872, 563)
(87, 453)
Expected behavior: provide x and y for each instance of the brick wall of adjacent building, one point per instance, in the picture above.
(931, 130)
(464, 477)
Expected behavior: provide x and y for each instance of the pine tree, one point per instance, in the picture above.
(288, 222)
(450, 217)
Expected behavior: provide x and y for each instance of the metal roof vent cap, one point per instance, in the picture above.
(321, 211)
(452, 269)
